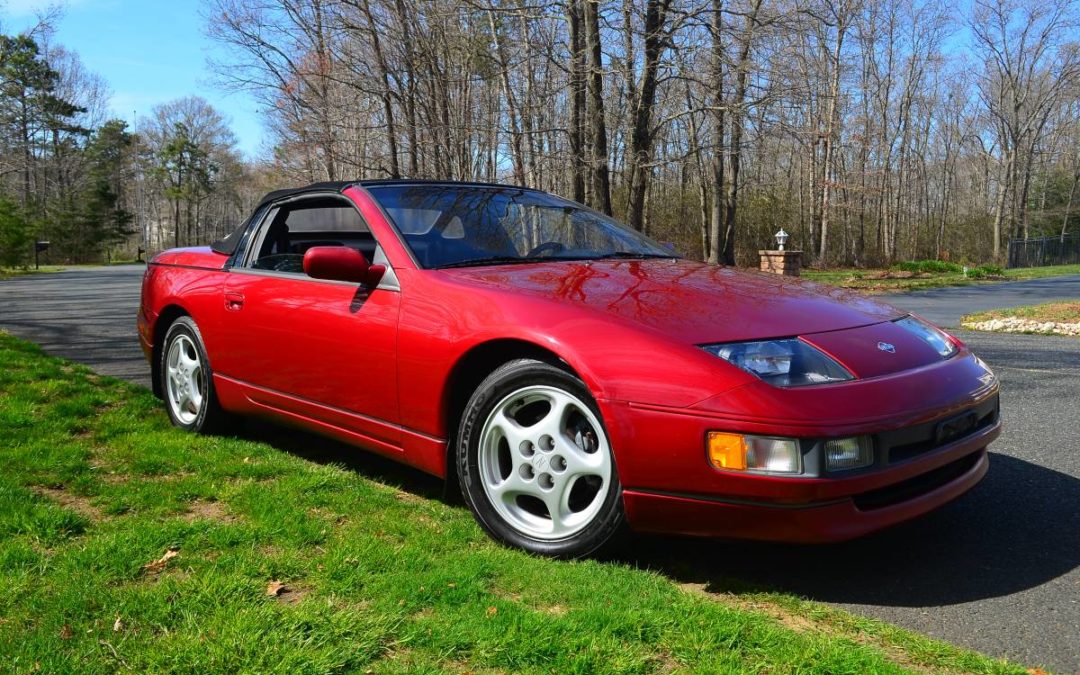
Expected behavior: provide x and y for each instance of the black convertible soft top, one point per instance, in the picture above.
(227, 246)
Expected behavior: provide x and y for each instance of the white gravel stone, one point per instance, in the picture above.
(1013, 324)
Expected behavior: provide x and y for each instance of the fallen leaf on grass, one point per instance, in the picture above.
(118, 625)
(160, 563)
(276, 588)
(66, 633)
(492, 611)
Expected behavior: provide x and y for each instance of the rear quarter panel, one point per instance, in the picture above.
(188, 281)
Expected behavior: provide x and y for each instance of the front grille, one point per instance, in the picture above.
(919, 485)
(902, 445)
(904, 451)
(896, 446)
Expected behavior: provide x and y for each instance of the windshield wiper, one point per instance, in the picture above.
(623, 255)
(512, 260)
(493, 260)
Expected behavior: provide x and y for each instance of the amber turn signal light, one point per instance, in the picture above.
(727, 451)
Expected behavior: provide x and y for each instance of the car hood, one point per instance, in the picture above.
(688, 301)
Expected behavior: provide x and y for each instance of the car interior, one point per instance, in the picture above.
(297, 227)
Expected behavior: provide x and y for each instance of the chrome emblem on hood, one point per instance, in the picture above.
(886, 347)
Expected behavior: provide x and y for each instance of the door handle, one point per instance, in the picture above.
(234, 301)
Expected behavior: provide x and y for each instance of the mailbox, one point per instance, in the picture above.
(39, 246)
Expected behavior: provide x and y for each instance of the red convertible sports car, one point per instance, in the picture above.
(574, 377)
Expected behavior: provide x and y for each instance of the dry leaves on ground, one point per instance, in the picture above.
(160, 564)
(276, 588)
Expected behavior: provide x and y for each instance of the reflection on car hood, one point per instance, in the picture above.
(689, 301)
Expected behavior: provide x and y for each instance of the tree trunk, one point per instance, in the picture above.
(387, 98)
(717, 242)
(832, 120)
(641, 139)
(601, 180)
(731, 201)
(577, 99)
(517, 153)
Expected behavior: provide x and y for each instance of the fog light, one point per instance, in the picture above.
(759, 454)
(842, 454)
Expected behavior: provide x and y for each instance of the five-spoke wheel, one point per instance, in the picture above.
(535, 463)
(544, 462)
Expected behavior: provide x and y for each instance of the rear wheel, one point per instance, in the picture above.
(535, 463)
(187, 381)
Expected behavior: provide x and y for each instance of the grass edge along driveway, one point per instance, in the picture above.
(935, 275)
(127, 545)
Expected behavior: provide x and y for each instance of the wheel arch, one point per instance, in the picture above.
(165, 318)
(470, 370)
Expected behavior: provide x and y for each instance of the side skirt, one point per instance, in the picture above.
(427, 453)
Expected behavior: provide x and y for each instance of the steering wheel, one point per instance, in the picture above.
(553, 246)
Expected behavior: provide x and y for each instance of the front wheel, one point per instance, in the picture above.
(187, 381)
(535, 463)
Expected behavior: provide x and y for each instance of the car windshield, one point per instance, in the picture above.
(464, 225)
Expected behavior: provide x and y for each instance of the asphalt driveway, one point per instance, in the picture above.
(945, 306)
(995, 571)
(86, 314)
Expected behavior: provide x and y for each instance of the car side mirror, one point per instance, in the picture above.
(341, 263)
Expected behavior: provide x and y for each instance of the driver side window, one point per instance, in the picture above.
(293, 228)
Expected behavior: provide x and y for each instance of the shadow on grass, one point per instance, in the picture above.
(1019, 529)
(322, 450)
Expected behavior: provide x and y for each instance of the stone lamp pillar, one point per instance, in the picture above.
(787, 263)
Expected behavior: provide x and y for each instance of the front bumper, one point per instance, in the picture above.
(831, 521)
(670, 487)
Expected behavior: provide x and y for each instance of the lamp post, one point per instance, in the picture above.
(780, 260)
(781, 239)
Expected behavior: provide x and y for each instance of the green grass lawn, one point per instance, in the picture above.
(127, 545)
(1059, 312)
(891, 281)
(8, 272)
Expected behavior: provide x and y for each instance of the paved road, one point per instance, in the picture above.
(997, 571)
(945, 306)
(86, 314)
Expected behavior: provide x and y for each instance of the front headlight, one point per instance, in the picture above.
(782, 363)
(930, 334)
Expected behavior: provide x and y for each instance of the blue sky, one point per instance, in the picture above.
(149, 51)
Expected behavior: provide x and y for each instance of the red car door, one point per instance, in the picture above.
(313, 349)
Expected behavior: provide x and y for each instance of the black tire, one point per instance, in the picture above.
(607, 520)
(210, 418)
